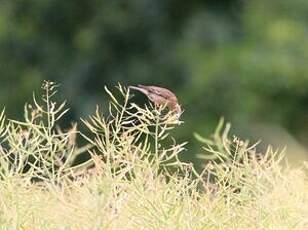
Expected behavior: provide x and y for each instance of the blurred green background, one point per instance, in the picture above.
(244, 60)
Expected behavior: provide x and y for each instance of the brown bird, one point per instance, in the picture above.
(160, 97)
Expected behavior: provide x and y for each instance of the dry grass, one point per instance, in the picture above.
(134, 179)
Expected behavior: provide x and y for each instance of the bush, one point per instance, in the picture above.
(134, 178)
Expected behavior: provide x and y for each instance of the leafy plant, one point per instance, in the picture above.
(133, 138)
(37, 148)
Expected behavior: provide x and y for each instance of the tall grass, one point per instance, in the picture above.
(134, 179)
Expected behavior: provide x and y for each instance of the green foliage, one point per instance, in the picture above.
(134, 177)
(254, 64)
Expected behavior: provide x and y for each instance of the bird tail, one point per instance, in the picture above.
(140, 89)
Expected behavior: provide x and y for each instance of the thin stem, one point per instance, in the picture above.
(48, 109)
(156, 157)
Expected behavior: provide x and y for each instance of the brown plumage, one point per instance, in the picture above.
(160, 96)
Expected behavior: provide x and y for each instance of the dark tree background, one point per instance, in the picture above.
(244, 60)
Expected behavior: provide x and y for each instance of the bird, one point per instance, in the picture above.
(160, 97)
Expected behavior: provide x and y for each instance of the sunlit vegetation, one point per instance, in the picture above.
(134, 178)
